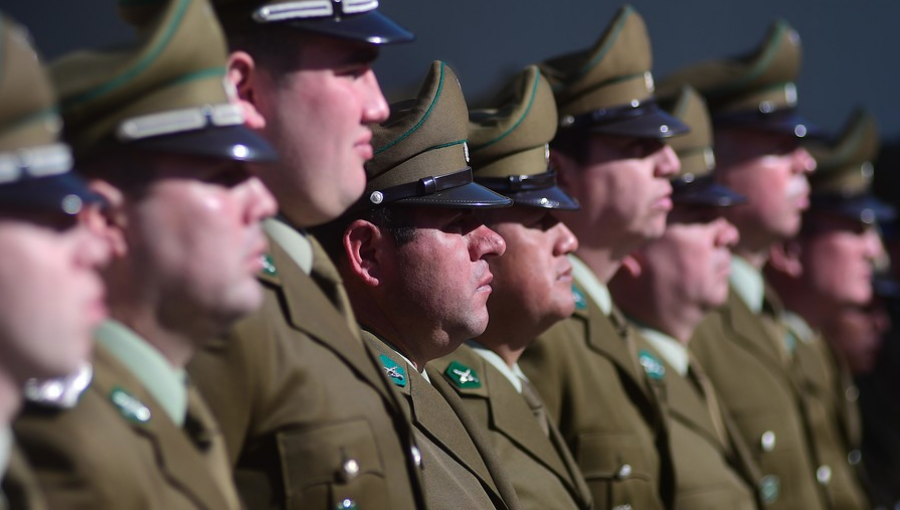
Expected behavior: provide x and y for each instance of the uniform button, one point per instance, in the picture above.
(416, 455)
(767, 441)
(823, 475)
(852, 393)
(351, 469)
(347, 504)
(624, 471)
(854, 457)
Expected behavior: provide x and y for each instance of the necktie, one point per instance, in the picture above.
(537, 406)
(199, 427)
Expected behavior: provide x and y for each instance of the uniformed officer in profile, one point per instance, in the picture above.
(414, 255)
(161, 142)
(49, 281)
(610, 155)
(531, 290)
(309, 420)
(742, 346)
(666, 288)
(827, 268)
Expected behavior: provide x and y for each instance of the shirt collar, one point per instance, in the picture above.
(164, 382)
(597, 290)
(514, 375)
(293, 241)
(674, 352)
(747, 281)
(799, 326)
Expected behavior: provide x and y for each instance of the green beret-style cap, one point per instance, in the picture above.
(357, 20)
(35, 167)
(755, 90)
(694, 184)
(608, 87)
(166, 92)
(842, 181)
(509, 143)
(421, 157)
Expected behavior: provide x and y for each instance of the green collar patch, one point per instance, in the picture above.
(462, 376)
(131, 408)
(769, 488)
(268, 266)
(580, 300)
(652, 365)
(395, 372)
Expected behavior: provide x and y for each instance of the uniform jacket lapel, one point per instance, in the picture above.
(749, 330)
(188, 472)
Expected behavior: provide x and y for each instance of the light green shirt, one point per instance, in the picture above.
(164, 382)
(597, 290)
(748, 282)
(293, 241)
(514, 375)
(674, 352)
(6, 441)
(799, 327)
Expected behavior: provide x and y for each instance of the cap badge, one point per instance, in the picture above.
(463, 376)
(769, 488)
(652, 365)
(131, 408)
(395, 372)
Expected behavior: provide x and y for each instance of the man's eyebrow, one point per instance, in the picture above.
(361, 55)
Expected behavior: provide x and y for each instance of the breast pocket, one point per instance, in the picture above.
(619, 472)
(333, 466)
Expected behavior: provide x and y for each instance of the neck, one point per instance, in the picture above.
(755, 257)
(604, 262)
(505, 343)
(814, 312)
(176, 345)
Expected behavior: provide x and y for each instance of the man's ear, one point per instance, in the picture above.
(243, 73)
(631, 265)
(364, 247)
(110, 220)
(784, 257)
(564, 166)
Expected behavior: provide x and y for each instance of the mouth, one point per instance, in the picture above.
(565, 275)
(363, 146)
(485, 284)
(663, 203)
(256, 260)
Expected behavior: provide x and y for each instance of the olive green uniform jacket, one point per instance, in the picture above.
(713, 467)
(542, 470)
(746, 361)
(832, 414)
(20, 485)
(309, 420)
(109, 453)
(586, 370)
(459, 469)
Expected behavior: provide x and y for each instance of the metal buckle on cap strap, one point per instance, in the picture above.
(513, 183)
(314, 9)
(35, 162)
(424, 186)
(179, 121)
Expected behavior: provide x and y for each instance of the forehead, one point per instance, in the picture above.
(736, 143)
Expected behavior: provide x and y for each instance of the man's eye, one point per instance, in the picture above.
(228, 176)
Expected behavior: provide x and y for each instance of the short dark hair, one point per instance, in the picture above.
(128, 169)
(273, 46)
(395, 220)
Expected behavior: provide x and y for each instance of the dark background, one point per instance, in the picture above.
(850, 48)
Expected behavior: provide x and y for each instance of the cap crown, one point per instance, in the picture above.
(28, 115)
(423, 137)
(844, 166)
(513, 138)
(171, 81)
(695, 149)
(614, 72)
(762, 80)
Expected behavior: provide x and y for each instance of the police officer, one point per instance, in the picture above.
(162, 143)
(828, 267)
(309, 420)
(666, 287)
(51, 291)
(414, 257)
(531, 289)
(742, 345)
(610, 156)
